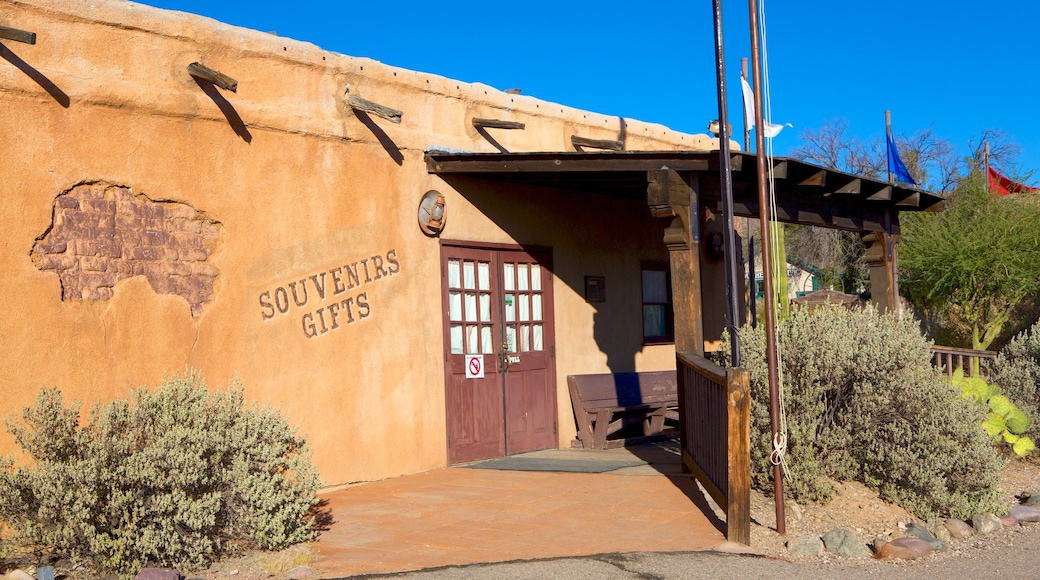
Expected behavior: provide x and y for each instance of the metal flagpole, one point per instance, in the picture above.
(752, 286)
(767, 266)
(726, 178)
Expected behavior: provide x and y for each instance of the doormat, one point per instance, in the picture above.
(561, 465)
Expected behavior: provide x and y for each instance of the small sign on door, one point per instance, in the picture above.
(474, 366)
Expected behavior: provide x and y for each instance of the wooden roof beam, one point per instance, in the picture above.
(17, 35)
(854, 187)
(817, 179)
(607, 144)
(201, 71)
(359, 104)
(496, 124)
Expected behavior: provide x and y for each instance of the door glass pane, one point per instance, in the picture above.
(655, 287)
(485, 308)
(471, 307)
(525, 338)
(511, 338)
(508, 277)
(536, 277)
(510, 308)
(487, 344)
(453, 274)
(471, 340)
(653, 320)
(454, 306)
(521, 276)
(525, 307)
(484, 276)
(536, 339)
(456, 339)
(468, 276)
(536, 307)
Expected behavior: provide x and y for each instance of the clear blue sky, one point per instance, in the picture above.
(958, 67)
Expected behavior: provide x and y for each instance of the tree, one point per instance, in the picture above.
(976, 260)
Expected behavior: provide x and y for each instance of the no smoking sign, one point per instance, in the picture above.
(474, 366)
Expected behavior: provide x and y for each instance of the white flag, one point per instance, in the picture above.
(771, 130)
(774, 130)
(749, 104)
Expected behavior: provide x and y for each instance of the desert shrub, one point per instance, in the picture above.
(863, 403)
(1017, 371)
(176, 477)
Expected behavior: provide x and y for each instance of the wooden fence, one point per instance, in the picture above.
(974, 362)
(714, 426)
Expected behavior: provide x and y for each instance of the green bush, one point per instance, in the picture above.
(863, 403)
(177, 477)
(1017, 371)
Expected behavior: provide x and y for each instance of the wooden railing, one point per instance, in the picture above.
(714, 426)
(949, 359)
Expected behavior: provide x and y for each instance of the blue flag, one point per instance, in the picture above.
(895, 164)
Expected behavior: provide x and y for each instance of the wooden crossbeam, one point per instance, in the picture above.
(201, 71)
(497, 124)
(818, 179)
(607, 144)
(884, 194)
(17, 35)
(912, 201)
(392, 115)
(854, 187)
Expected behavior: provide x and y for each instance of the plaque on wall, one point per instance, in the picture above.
(595, 289)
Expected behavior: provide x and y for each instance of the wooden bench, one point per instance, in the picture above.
(607, 403)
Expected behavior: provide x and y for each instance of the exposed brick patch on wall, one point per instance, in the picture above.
(102, 233)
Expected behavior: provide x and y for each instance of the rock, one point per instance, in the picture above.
(916, 530)
(941, 533)
(805, 546)
(18, 575)
(904, 548)
(845, 543)
(1030, 498)
(794, 510)
(959, 529)
(1009, 521)
(158, 574)
(1025, 513)
(300, 572)
(986, 523)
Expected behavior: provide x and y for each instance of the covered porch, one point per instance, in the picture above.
(682, 188)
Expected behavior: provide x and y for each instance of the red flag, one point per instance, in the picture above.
(1002, 186)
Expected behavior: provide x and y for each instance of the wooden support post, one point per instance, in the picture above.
(497, 124)
(738, 454)
(17, 35)
(670, 193)
(608, 144)
(882, 262)
(201, 71)
(392, 115)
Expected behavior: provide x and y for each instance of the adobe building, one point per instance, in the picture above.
(155, 221)
(408, 266)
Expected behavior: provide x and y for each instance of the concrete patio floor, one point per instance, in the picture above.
(459, 515)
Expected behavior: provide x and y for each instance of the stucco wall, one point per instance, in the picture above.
(292, 184)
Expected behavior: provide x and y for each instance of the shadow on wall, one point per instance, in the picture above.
(232, 116)
(586, 232)
(38, 77)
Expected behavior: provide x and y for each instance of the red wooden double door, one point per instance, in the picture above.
(498, 320)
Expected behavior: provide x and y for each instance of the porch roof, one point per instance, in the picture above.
(805, 193)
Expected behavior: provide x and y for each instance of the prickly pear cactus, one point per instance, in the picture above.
(1005, 422)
